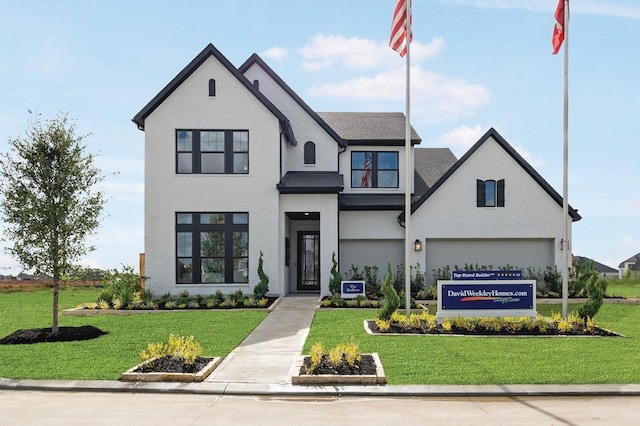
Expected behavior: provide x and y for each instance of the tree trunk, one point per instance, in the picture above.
(56, 291)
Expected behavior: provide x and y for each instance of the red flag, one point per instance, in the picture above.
(398, 39)
(558, 29)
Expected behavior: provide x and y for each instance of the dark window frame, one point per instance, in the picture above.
(309, 153)
(212, 87)
(196, 152)
(228, 228)
(481, 193)
(375, 169)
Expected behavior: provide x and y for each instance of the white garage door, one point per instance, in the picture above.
(521, 253)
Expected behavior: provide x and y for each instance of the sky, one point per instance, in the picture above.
(475, 64)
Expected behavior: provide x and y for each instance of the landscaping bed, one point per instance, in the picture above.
(41, 335)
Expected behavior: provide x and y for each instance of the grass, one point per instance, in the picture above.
(412, 359)
(628, 287)
(219, 332)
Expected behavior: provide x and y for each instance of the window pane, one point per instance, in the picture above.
(184, 163)
(240, 218)
(240, 244)
(388, 160)
(211, 244)
(361, 179)
(490, 193)
(240, 137)
(211, 218)
(240, 270)
(184, 244)
(358, 159)
(184, 218)
(212, 163)
(184, 140)
(240, 163)
(388, 179)
(212, 270)
(185, 269)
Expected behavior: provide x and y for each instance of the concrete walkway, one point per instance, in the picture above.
(267, 355)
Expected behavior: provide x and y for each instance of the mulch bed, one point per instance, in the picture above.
(41, 335)
(168, 364)
(366, 366)
(578, 330)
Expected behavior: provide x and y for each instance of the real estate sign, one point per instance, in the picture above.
(491, 298)
(351, 289)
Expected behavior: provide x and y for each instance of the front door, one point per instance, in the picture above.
(308, 260)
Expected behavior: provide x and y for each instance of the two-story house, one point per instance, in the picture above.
(238, 165)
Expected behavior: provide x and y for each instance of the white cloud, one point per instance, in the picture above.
(275, 53)
(461, 139)
(328, 51)
(536, 162)
(618, 8)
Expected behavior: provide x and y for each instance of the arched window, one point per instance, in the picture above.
(309, 153)
(212, 87)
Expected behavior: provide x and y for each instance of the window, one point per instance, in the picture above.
(212, 248)
(490, 193)
(212, 151)
(212, 87)
(309, 153)
(374, 169)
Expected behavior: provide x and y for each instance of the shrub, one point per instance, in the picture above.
(336, 278)
(348, 353)
(261, 290)
(178, 347)
(391, 299)
(372, 281)
(595, 287)
(417, 280)
(122, 285)
(315, 357)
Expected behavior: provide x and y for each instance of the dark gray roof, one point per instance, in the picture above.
(633, 259)
(371, 201)
(208, 51)
(311, 183)
(370, 128)
(602, 268)
(492, 133)
(430, 164)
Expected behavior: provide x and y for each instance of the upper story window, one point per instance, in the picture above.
(256, 83)
(374, 169)
(490, 193)
(212, 248)
(212, 87)
(212, 151)
(309, 153)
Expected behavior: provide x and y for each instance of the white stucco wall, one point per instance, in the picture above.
(304, 126)
(190, 107)
(529, 212)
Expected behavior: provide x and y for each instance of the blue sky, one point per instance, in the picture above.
(476, 64)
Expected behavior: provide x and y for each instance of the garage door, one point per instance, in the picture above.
(371, 253)
(521, 253)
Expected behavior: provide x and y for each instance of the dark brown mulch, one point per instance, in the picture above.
(168, 364)
(366, 366)
(40, 335)
(578, 330)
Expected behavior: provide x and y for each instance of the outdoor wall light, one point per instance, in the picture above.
(417, 245)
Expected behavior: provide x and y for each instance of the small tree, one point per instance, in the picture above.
(336, 278)
(391, 301)
(262, 288)
(48, 200)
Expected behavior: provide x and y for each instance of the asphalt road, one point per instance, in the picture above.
(23, 407)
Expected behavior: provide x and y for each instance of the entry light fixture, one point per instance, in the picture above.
(417, 245)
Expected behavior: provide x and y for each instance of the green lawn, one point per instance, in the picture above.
(628, 288)
(219, 332)
(414, 359)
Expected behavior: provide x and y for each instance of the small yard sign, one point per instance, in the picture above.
(351, 289)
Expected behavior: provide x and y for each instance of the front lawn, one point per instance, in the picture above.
(420, 359)
(219, 332)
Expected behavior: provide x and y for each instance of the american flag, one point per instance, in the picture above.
(558, 28)
(398, 39)
(365, 181)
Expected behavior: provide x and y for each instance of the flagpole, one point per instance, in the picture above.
(408, 169)
(566, 231)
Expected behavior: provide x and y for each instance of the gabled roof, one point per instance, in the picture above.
(208, 51)
(257, 60)
(492, 133)
(429, 166)
(600, 267)
(370, 128)
(633, 259)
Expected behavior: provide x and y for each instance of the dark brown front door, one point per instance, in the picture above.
(308, 260)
